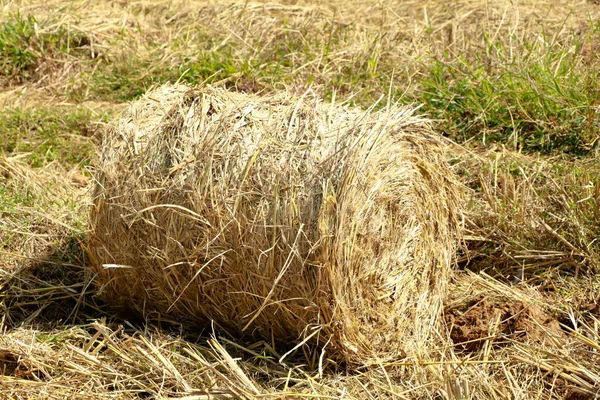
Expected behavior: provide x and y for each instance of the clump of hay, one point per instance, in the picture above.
(284, 218)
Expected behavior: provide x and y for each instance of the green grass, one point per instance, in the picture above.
(48, 134)
(14, 44)
(126, 79)
(26, 49)
(10, 199)
(544, 100)
(534, 93)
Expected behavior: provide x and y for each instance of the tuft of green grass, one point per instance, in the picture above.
(10, 199)
(537, 96)
(17, 57)
(49, 134)
(25, 47)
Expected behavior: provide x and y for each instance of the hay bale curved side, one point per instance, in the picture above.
(279, 217)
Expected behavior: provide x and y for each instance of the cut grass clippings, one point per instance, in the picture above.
(530, 218)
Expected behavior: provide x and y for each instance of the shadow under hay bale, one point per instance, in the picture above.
(304, 223)
(53, 289)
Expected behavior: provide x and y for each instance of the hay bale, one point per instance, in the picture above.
(279, 217)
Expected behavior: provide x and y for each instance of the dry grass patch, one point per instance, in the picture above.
(530, 216)
(521, 336)
(38, 207)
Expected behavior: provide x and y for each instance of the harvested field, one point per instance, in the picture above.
(511, 92)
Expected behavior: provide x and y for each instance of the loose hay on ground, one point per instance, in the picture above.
(285, 218)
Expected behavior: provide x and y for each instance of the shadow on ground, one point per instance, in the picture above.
(51, 290)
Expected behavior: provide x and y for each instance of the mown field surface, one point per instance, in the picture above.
(514, 86)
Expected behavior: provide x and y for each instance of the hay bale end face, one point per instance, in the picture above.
(278, 217)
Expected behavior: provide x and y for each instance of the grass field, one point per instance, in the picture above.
(514, 86)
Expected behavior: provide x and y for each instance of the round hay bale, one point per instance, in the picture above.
(280, 217)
